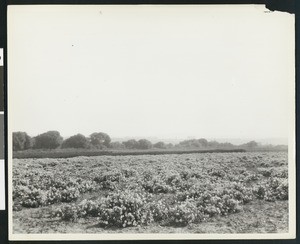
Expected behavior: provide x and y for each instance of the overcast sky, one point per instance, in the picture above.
(167, 72)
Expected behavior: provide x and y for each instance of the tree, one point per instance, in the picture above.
(203, 142)
(117, 145)
(213, 144)
(251, 144)
(21, 141)
(160, 145)
(131, 144)
(48, 140)
(192, 143)
(144, 144)
(169, 145)
(100, 140)
(76, 141)
(195, 143)
(226, 145)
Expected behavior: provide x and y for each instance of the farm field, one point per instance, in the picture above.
(71, 152)
(238, 192)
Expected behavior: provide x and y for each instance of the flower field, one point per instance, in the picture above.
(197, 193)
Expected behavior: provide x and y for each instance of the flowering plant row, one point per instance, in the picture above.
(176, 190)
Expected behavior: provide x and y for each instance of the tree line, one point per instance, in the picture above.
(97, 140)
(101, 141)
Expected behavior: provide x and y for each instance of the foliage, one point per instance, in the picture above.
(160, 145)
(76, 141)
(170, 190)
(100, 140)
(41, 189)
(48, 140)
(21, 141)
(117, 145)
(144, 144)
(272, 190)
(131, 144)
(251, 144)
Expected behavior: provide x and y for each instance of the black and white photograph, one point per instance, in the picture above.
(132, 122)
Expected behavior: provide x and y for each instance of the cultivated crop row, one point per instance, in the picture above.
(171, 190)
